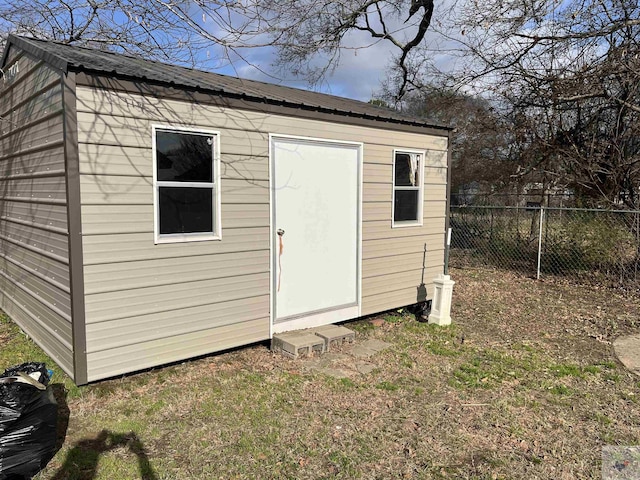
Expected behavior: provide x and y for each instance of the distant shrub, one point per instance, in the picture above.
(588, 241)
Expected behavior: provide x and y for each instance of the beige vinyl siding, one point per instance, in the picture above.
(397, 260)
(127, 356)
(124, 117)
(34, 247)
(149, 304)
(141, 297)
(135, 247)
(107, 277)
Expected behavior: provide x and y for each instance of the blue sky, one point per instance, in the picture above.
(359, 74)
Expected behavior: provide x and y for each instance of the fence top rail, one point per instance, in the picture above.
(564, 209)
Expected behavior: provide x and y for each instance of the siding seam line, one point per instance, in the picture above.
(103, 204)
(27, 330)
(403, 237)
(46, 327)
(427, 266)
(232, 342)
(143, 259)
(37, 297)
(45, 201)
(154, 312)
(35, 273)
(171, 335)
(30, 150)
(402, 254)
(164, 284)
(35, 225)
(33, 123)
(26, 176)
(36, 250)
(39, 63)
(140, 232)
(377, 295)
(42, 91)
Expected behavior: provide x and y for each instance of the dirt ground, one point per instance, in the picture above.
(524, 384)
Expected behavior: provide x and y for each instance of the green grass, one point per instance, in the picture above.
(602, 419)
(362, 326)
(393, 318)
(388, 386)
(445, 350)
(572, 370)
(489, 368)
(560, 390)
(347, 383)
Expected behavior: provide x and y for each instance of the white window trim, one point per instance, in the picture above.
(215, 185)
(408, 223)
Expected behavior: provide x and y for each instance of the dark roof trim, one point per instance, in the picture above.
(254, 95)
(223, 99)
(52, 60)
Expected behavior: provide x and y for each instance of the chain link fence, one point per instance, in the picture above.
(583, 244)
(561, 200)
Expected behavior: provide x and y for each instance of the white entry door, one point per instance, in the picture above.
(316, 232)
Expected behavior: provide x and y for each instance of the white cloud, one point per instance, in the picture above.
(358, 75)
(362, 66)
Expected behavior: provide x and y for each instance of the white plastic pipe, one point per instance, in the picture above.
(540, 242)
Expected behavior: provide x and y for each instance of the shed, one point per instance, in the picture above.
(151, 213)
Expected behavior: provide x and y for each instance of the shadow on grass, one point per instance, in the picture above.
(60, 394)
(81, 462)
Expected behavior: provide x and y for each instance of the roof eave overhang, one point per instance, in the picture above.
(125, 83)
(62, 65)
(24, 44)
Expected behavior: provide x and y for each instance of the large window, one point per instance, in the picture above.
(186, 186)
(407, 188)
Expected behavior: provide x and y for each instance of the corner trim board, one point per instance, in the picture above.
(447, 219)
(74, 220)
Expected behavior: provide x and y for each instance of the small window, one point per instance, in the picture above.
(186, 185)
(407, 188)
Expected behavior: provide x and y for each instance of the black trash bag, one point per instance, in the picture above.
(28, 418)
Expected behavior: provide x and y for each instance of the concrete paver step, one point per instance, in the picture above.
(293, 344)
(369, 348)
(343, 363)
(334, 334)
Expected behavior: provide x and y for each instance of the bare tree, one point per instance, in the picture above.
(481, 155)
(173, 30)
(309, 36)
(567, 75)
(322, 27)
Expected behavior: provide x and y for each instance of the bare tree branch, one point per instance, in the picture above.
(308, 35)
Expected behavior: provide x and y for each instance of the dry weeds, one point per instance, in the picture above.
(524, 385)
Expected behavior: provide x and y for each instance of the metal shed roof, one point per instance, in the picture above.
(82, 59)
